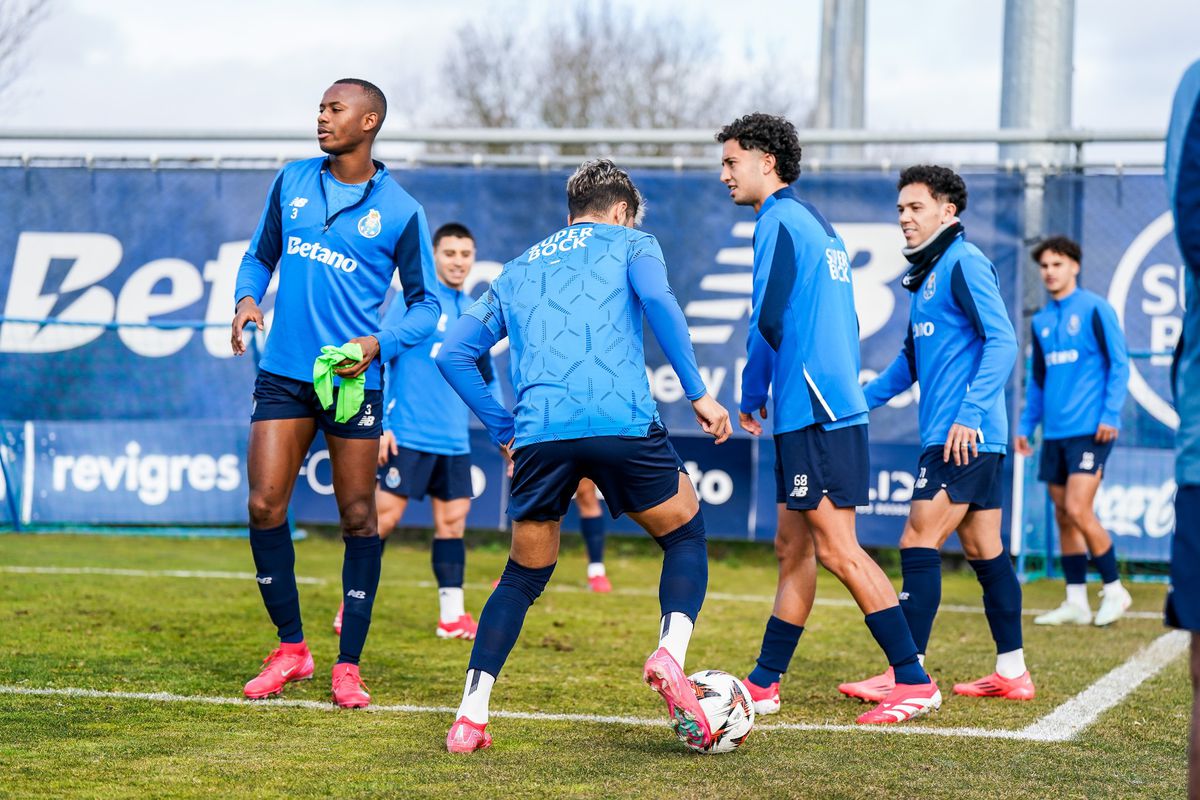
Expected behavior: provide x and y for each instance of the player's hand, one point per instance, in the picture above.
(1106, 434)
(352, 369)
(506, 451)
(247, 311)
(387, 447)
(1023, 447)
(713, 418)
(963, 443)
(749, 424)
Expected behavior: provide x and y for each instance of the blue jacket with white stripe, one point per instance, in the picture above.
(960, 348)
(1080, 368)
(335, 269)
(803, 339)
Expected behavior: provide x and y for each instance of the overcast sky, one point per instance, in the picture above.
(244, 64)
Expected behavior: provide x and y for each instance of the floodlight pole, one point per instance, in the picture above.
(840, 94)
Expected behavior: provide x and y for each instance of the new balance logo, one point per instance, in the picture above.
(263, 581)
(799, 486)
(922, 481)
(904, 595)
(357, 594)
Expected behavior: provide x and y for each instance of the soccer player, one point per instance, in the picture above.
(961, 349)
(425, 448)
(572, 307)
(803, 348)
(1080, 371)
(1183, 189)
(337, 229)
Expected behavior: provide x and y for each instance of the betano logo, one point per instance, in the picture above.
(151, 477)
(315, 252)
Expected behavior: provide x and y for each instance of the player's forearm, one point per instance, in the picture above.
(756, 376)
(670, 329)
(995, 365)
(889, 383)
(458, 361)
(252, 279)
(413, 327)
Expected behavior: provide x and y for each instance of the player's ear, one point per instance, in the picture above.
(768, 163)
(370, 122)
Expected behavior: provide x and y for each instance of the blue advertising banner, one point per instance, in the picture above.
(162, 248)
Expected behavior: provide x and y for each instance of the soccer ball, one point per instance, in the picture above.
(726, 702)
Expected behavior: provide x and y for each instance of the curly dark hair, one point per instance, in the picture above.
(944, 184)
(769, 134)
(1061, 245)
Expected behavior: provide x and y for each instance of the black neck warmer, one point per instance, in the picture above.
(924, 256)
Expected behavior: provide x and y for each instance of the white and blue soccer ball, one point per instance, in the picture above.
(727, 704)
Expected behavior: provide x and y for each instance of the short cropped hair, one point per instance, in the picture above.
(456, 229)
(600, 184)
(374, 96)
(769, 134)
(944, 184)
(1061, 245)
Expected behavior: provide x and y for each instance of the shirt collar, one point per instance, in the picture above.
(785, 193)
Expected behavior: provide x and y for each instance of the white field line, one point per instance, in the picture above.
(724, 597)
(1060, 725)
(146, 573)
(1075, 715)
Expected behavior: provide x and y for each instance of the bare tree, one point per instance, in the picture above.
(601, 65)
(18, 20)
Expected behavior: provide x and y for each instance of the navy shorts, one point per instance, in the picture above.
(813, 463)
(634, 473)
(414, 474)
(1183, 595)
(980, 482)
(277, 397)
(1064, 457)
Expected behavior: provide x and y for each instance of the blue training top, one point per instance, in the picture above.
(572, 308)
(1183, 186)
(421, 409)
(960, 347)
(803, 336)
(1080, 368)
(335, 268)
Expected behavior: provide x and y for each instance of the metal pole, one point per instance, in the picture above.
(840, 96)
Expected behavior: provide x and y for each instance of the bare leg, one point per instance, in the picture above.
(797, 587)
(391, 508)
(838, 550)
(277, 449)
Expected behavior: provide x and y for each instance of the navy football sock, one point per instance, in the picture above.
(778, 645)
(275, 561)
(592, 529)
(449, 559)
(1074, 568)
(1106, 565)
(684, 577)
(504, 614)
(921, 593)
(360, 581)
(1001, 600)
(890, 629)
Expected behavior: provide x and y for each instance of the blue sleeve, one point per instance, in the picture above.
(1031, 417)
(266, 246)
(480, 327)
(977, 293)
(1111, 340)
(774, 278)
(410, 323)
(648, 276)
(899, 375)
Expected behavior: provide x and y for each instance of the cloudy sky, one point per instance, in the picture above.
(247, 64)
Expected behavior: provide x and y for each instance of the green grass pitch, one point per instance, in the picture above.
(579, 654)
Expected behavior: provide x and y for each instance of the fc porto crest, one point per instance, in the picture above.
(930, 286)
(393, 478)
(370, 225)
(1073, 324)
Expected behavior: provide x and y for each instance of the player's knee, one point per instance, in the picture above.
(264, 512)
(358, 519)
(1078, 513)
